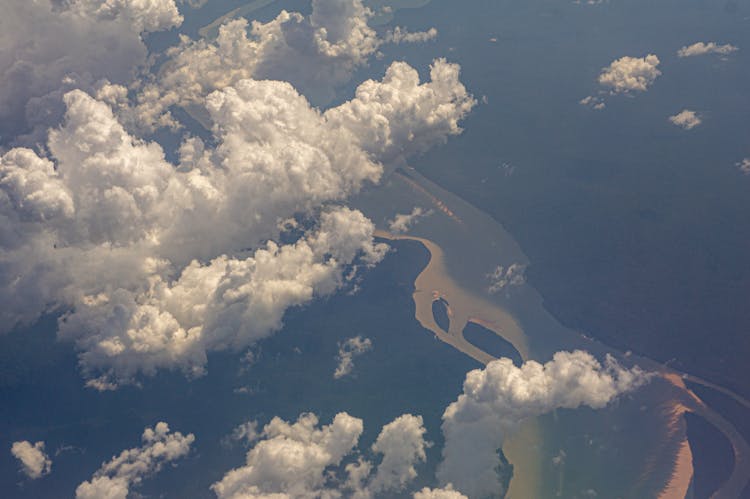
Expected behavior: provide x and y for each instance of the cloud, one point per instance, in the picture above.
(593, 102)
(399, 117)
(401, 35)
(245, 433)
(502, 278)
(403, 221)
(402, 444)
(153, 264)
(744, 166)
(73, 44)
(685, 119)
(115, 477)
(141, 15)
(315, 54)
(445, 493)
(352, 347)
(630, 74)
(34, 461)
(702, 48)
(499, 397)
(299, 460)
(107, 226)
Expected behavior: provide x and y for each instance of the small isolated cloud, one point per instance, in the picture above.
(630, 74)
(401, 35)
(502, 278)
(499, 397)
(744, 166)
(245, 433)
(301, 459)
(353, 347)
(685, 119)
(34, 461)
(114, 479)
(593, 102)
(403, 221)
(703, 48)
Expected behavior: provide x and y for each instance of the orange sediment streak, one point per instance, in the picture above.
(440, 205)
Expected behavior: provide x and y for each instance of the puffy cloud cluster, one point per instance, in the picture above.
(630, 74)
(300, 460)
(141, 15)
(744, 166)
(685, 119)
(73, 44)
(502, 278)
(496, 399)
(398, 116)
(315, 54)
(703, 48)
(352, 347)
(35, 463)
(403, 221)
(114, 479)
(159, 264)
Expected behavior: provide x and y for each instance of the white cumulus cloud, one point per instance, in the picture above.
(348, 350)
(73, 44)
(630, 74)
(499, 397)
(403, 221)
(398, 116)
(115, 477)
(315, 54)
(703, 48)
(158, 264)
(299, 460)
(685, 119)
(35, 463)
(445, 493)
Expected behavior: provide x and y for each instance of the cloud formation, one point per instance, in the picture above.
(300, 459)
(74, 44)
(159, 264)
(315, 54)
(445, 493)
(630, 74)
(115, 477)
(35, 463)
(399, 116)
(685, 119)
(703, 48)
(403, 221)
(496, 399)
(744, 166)
(352, 347)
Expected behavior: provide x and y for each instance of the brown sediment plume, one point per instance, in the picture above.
(740, 475)
(682, 474)
(435, 283)
(465, 306)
